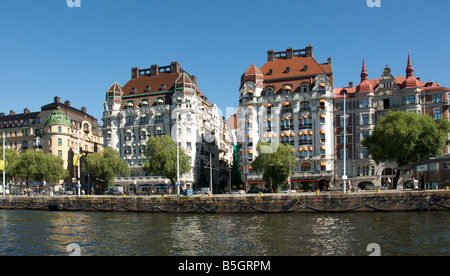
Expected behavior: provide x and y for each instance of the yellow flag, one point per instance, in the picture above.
(2, 167)
(76, 160)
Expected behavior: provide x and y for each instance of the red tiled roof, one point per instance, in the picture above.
(152, 87)
(294, 71)
(253, 74)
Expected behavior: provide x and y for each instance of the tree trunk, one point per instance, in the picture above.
(395, 182)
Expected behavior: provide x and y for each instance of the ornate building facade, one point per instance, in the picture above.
(370, 100)
(57, 129)
(290, 101)
(165, 100)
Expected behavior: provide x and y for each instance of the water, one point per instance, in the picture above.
(26, 232)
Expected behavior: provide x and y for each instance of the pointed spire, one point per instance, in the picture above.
(364, 74)
(409, 68)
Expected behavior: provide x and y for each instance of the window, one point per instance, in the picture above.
(412, 99)
(144, 119)
(437, 114)
(59, 142)
(364, 103)
(437, 98)
(269, 92)
(305, 105)
(403, 100)
(306, 167)
(60, 153)
(365, 119)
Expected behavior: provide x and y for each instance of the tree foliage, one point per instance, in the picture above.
(162, 158)
(11, 158)
(274, 163)
(106, 164)
(33, 165)
(406, 137)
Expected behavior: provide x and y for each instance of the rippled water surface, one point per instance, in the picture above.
(50, 233)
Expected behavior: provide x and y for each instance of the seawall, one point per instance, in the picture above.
(405, 201)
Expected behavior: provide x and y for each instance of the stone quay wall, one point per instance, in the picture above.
(387, 201)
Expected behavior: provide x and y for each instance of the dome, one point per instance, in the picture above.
(115, 93)
(58, 117)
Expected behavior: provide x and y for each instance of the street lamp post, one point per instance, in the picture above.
(178, 157)
(344, 120)
(4, 164)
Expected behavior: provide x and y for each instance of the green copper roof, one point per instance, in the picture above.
(58, 118)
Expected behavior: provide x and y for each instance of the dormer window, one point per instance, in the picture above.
(305, 88)
(270, 72)
(147, 88)
(163, 86)
(133, 90)
(268, 92)
(288, 70)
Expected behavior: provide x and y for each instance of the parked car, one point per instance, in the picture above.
(238, 192)
(117, 190)
(202, 191)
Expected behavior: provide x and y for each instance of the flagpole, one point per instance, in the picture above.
(4, 164)
(79, 163)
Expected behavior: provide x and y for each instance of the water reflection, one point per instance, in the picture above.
(114, 234)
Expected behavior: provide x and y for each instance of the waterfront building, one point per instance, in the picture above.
(369, 101)
(289, 100)
(153, 103)
(57, 129)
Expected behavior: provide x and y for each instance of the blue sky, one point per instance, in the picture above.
(48, 49)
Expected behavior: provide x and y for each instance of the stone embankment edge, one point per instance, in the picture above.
(391, 201)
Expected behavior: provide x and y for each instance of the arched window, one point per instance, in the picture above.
(305, 105)
(130, 104)
(304, 88)
(144, 103)
(160, 101)
(306, 167)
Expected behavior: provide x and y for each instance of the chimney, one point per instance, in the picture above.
(194, 79)
(329, 60)
(135, 72)
(154, 70)
(175, 67)
(309, 51)
(26, 111)
(12, 112)
(350, 84)
(57, 99)
(83, 109)
(289, 53)
(270, 55)
(68, 103)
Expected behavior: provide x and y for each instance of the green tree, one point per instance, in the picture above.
(106, 164)
(406, 137)
(162, 158)
(273, 161)
(33, 165)
(11, 158)
(54, 169)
